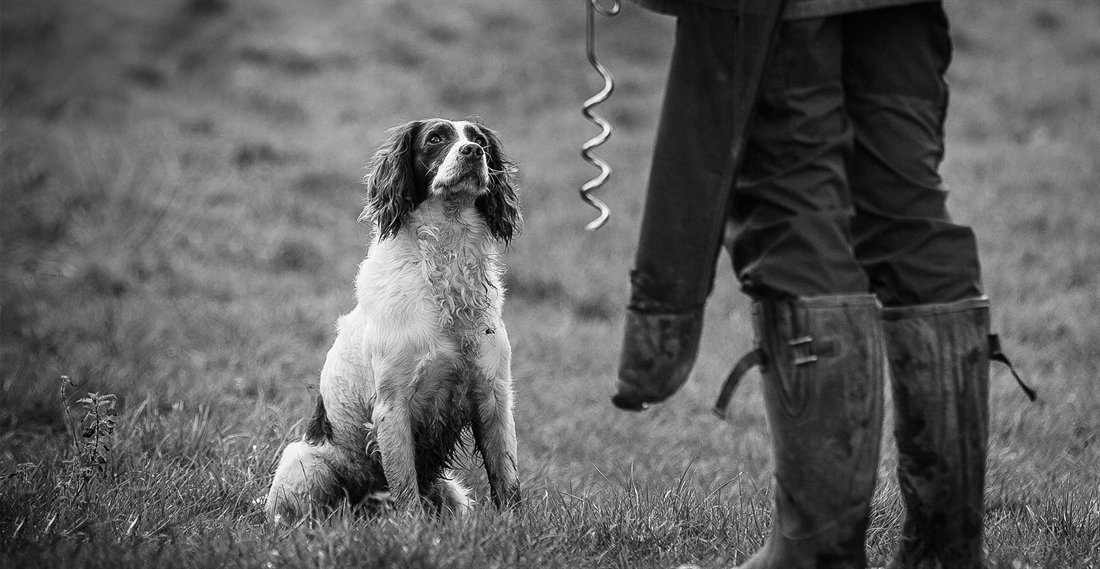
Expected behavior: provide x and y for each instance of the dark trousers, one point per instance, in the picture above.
(839, 190)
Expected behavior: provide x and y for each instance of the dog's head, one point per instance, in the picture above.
(446, 159)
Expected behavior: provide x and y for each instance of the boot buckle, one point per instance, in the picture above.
(802, 348)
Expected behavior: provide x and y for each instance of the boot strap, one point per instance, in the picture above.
(756, 358)
(747, 362)
(997, 355)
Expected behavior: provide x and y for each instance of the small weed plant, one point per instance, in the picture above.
(92, 439)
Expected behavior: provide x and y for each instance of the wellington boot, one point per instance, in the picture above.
(939, 363)
(823, 384)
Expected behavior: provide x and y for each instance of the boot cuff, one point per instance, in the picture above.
(834, 301)
(894, 314)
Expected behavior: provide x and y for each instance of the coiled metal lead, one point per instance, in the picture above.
(588, 187)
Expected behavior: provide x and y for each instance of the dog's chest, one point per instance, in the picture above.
(460, 273)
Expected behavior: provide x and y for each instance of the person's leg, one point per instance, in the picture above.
(925, 270)
(818, 330)
(790, 232)
(896, 95)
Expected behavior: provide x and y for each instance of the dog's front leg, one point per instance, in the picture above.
(494, 425)
(393, 429)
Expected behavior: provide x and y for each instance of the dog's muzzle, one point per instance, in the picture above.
(464, 170)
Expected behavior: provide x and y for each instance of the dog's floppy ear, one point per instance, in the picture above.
(391, 184)
(500, 206)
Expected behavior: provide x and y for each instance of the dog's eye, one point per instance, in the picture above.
(435, 139)
(480, 141)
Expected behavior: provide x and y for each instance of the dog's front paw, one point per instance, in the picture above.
(510, 497)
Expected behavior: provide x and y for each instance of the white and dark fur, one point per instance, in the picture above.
(424, 354)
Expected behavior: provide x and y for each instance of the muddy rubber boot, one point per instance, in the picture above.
(823, 394)
(939, 368)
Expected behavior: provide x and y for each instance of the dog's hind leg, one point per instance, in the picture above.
(449, 496)
(317, 472)
(304, 481)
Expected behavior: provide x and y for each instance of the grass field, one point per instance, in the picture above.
(180, 188)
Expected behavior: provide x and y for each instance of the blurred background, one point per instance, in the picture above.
(181, 181)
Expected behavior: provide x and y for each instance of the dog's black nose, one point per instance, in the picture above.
(471, 149)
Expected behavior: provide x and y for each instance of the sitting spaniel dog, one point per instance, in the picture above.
(424, 354)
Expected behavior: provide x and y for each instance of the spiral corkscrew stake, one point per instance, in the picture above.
(592, 185)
